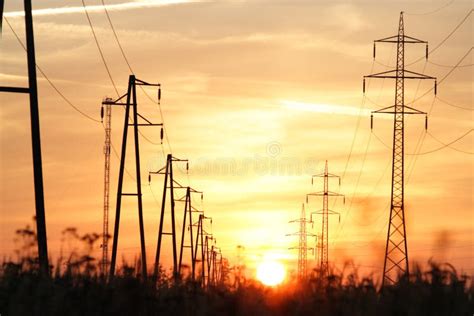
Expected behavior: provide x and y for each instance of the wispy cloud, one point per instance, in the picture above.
(99, 8)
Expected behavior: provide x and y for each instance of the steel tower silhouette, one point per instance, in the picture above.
(396, 249)
(302, 244)
(325, 212)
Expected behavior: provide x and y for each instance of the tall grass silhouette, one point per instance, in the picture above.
(77, 288)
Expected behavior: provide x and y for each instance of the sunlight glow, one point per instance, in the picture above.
(325, 108)
(271, 273)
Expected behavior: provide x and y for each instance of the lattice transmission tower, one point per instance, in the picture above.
(325, 212)
(302, 244)
(106, 113)
(396, 250)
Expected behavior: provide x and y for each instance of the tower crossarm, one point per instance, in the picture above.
(298, 233)
(405, 39)
(329, 175)
(322, 193)
(395, 74)
(163, 170)
(194, 209)
(191, 190)
(391, 110)
(322, 211)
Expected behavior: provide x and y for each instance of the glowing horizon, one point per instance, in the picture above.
(257, 104)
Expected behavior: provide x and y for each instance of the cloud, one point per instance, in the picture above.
(99, 8)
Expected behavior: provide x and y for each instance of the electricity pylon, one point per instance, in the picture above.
(396, 250)
(208, 247)
(106, 111)
(325, 212)
(170, 184)
(201, 243)
(218, 267)
(215, 265)
(32, 91)
(302, 245)
(188, 211)
(130, 102)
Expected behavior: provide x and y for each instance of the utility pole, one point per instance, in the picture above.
(209, 238)
(201, 235)
(169, 186)
(396, 250)
(32, 91)
(302, 245)
(220, 268)
(131, 102)
(325, 212)
(215, 267)
(210, 266)
(188, 209)
(106, 111)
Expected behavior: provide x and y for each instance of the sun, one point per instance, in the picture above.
(271, 273)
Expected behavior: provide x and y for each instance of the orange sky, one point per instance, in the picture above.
(257, 95)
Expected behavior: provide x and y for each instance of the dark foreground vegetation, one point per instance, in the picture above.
(78, 289)
(436, 292)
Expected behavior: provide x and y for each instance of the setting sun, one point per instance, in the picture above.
(271, 273)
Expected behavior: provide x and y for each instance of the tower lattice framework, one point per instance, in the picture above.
(396, 250)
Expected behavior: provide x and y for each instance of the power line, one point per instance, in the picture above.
(452, 142)
(444, 40)
(49, 81)
(355, 189)
(449, 66)
(451, 33)
(454, 105)
(433, 11)
(106, 65)
(445, 76)
(445, 145)
(65, 98)
(61, 94)
(419, 143)
(422, 137)
(353, 141)
(122, 51)
(359, 117)
(100, 50)
(116, 37)
(428, 61)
